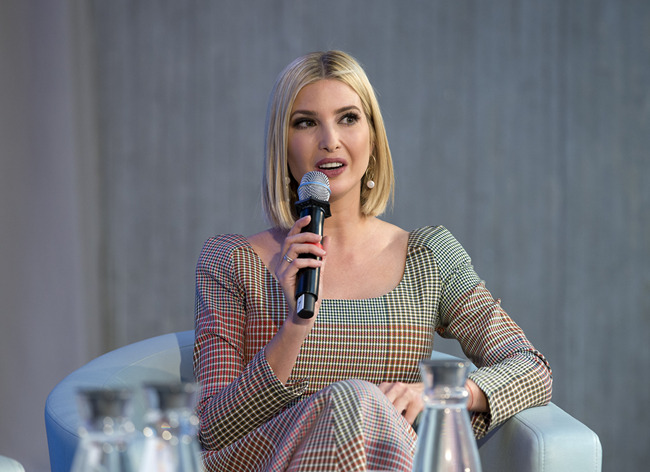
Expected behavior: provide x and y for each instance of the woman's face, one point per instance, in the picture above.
(329, 132)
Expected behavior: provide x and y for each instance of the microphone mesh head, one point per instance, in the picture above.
(314, 184)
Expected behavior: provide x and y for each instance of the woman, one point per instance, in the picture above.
(340, 390)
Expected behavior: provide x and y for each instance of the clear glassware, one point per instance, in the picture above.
(107, 432)
(446, 440)
(169, 440)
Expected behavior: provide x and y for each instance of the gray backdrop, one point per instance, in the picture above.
(133, 130)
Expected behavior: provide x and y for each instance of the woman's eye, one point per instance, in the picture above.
(350, 119)
(303, 123)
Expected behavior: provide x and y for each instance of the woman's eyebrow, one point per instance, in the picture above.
(336, 112)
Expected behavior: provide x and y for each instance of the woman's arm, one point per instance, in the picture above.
(282, 351)
(512, 374)
(237, 397)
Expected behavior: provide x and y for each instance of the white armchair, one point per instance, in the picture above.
(542, 439)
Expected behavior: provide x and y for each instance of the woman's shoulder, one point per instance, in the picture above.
(249, 250)
(390, 234)
(220, 249)
(430, 236)
(225, 243)
(439, 243)
(434, 239)
(267, 244)
(271, 237)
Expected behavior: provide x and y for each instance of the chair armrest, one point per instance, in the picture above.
(10, 465)
(159, 359)
(541, 439)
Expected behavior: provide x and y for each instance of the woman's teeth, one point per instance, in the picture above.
(331, 165)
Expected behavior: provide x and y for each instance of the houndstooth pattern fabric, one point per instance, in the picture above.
(251, 421)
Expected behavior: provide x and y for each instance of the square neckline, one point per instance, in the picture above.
(409, 246)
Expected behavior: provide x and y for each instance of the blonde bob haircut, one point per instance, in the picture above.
(279, 188)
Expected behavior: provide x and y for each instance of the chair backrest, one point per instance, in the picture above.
(166, 358)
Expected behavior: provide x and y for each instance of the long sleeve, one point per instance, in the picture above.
(237, 393)
(511, 372)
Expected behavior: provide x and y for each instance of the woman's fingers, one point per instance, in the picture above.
(294, 251)
(296, 242)
(406, 398)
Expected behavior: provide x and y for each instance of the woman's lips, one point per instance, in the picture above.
(330, 167)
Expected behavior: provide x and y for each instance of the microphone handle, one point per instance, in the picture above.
(308, 278)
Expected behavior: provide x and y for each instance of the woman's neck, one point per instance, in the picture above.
(347, 223)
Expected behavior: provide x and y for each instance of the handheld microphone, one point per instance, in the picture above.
(313, 200)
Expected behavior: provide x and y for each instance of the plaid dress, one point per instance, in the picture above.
(330, 415)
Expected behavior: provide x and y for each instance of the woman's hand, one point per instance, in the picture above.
(289, 264)
(407, 398)
(477, 400)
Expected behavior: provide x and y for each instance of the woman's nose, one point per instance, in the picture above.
(329, 140)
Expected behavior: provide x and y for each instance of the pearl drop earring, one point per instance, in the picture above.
(370, 183)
